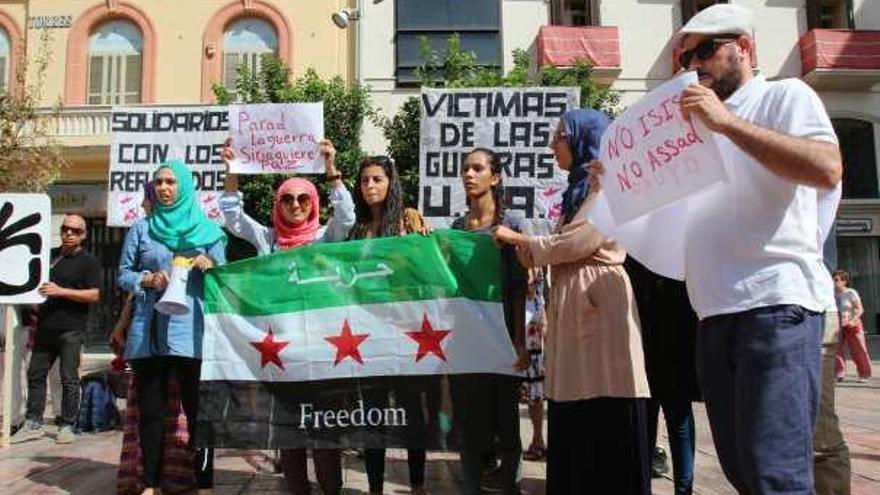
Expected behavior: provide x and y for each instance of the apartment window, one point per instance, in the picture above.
(689, 8)
(573, 13)
(477, 22)
(856, 138)
(245, 42)
(115, 64)
(830, 14)
(5, 51)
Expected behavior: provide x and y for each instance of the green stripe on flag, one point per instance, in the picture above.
(443, 265)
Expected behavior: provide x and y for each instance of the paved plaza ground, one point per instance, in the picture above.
(88, 467)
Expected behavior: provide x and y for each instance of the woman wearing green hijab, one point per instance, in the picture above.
(160, 345)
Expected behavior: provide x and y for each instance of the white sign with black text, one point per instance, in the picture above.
(517, 123)
(145, 137)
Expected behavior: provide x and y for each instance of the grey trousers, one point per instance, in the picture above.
(830, 453)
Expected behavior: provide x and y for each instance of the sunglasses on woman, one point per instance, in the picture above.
(303, 199)
(705, 50)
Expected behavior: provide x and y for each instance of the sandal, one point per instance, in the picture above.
(535, 453)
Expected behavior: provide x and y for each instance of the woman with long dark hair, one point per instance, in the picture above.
(595, 378)
(487, 405)
(380, 212)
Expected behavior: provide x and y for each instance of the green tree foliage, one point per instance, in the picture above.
(30, 159)
(455, 67)
(345, 107)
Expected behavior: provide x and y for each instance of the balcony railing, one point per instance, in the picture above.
(562, 46)
(841, 59)
(85, 121)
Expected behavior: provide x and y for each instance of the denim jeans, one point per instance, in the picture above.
(759, 371)
(50, 345)
(679, 417)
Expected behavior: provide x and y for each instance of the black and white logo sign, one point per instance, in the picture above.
(24, 247)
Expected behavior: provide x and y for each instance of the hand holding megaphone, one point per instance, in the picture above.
(174, 301)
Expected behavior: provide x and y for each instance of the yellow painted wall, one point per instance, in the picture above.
(180, 25)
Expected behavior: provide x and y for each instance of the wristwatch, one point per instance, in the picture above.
(331, 178)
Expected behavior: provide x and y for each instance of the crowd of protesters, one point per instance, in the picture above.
(606, 342)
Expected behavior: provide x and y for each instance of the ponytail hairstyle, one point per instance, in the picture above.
(498, 188)
(392, 210)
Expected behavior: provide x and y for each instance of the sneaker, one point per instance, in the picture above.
(659, 465)
(863, 380)
(65, 434)
(31, 430)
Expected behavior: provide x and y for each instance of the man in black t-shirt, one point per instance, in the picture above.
(73, 286)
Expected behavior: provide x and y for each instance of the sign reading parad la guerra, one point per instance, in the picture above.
(25, 221)
(277, 138)
(653, 156)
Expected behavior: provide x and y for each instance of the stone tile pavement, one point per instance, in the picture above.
(88, 467)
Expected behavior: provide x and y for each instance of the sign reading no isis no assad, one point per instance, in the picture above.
(517, 123)
(653, 156)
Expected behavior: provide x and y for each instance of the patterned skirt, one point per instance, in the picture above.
(178, 473)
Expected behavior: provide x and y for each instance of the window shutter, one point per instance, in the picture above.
(133, 78)
(230, 64)
(3, 75)
(96, 72)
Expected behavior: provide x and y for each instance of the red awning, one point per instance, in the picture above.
(840, 49)
(562, 45)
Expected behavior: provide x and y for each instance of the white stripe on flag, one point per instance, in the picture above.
(478, 342)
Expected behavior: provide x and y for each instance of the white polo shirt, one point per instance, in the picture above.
(753, 242)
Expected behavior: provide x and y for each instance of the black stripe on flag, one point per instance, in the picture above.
(430, 412)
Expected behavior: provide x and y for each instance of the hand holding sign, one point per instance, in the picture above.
(653, 155)
(277, 138)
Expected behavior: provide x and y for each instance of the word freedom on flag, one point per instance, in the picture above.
(356, 344)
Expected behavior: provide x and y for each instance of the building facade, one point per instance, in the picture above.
(156, 52)
(834, 45)
(111, 52)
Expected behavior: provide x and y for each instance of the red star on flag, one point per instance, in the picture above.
(269, 349)
(428, 340)
(347, 344)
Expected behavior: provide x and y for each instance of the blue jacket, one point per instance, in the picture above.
(152, 333)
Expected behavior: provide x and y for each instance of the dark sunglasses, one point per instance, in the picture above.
(71, 230)
(705, 50)
(302, 199)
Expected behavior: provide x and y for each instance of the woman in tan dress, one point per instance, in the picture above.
(595, 379)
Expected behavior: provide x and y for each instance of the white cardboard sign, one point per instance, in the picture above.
(25, 224)
(277, 138)
(653, 156)
(145, 137)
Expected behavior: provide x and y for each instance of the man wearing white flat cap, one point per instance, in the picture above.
(753, 265)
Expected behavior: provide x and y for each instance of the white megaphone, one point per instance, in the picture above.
(173, 302)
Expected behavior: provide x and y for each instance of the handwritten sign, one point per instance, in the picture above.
(145, 137)
(277, 138)
(25, 221)
(653, 156)
(517, 123)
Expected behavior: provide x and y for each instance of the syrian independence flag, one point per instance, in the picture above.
(354, 344)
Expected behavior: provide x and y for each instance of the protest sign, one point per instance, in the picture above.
(145, 137)
(517, 123)
(354, 345)
(25, 221)
(653, 156)
(277, 138)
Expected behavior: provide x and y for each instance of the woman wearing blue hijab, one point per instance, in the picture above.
(594, 376)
